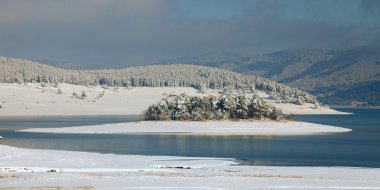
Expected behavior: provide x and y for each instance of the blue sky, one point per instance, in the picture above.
(121, 33)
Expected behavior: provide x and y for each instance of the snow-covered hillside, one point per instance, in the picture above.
(65, 99)
(23, 71)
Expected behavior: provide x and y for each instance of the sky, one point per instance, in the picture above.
(122, 33)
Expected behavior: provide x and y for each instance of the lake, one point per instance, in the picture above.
(359, 148)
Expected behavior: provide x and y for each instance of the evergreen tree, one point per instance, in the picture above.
(231, 107)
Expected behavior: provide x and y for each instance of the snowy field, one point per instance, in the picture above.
(201, 128)
(50, 169)
(34, 100)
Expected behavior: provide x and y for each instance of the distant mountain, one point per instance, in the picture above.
(339, 77)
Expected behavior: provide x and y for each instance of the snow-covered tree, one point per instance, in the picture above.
(232, 107)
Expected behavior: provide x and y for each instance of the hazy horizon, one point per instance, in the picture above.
(116, 34)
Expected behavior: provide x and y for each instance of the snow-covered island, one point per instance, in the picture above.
(49, 100)
(200, 128)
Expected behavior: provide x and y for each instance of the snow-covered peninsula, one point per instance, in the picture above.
(34, 99)
(200, 128)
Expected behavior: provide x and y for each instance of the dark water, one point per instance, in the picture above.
(359, 148)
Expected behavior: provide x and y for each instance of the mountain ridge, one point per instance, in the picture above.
(321, 72)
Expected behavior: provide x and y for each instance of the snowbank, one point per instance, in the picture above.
(201, 128)
(35, 100)
(50, 169)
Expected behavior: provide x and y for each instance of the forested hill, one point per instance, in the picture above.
(22, 71)
(343, 76)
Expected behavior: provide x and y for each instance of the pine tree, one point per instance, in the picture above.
(231, 107)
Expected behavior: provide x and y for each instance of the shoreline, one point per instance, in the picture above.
(353, 107)
(199, 128)
(83, 170)
(35, 100)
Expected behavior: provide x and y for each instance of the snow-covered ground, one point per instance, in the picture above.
(304, 109)
(35, 100)
(202, 128)
(51, 169)
(32, 100)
